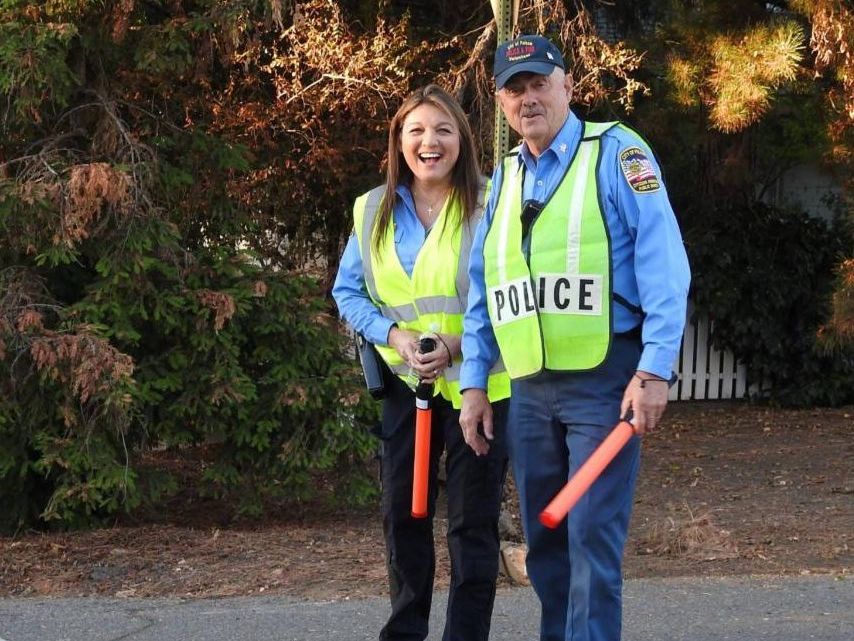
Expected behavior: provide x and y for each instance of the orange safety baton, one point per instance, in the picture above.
(585, 476)
(423, 418)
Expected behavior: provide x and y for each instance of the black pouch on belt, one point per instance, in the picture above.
(372, 366)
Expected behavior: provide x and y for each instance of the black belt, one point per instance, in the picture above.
(634, 333)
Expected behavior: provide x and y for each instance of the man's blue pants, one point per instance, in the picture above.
(556, 421)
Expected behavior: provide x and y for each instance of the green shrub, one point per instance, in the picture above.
(122, 341)
(765, 277)
(246, 360)
(65, 408)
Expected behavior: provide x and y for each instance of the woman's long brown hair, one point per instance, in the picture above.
(465, 176)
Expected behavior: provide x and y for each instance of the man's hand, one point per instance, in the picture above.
(476, 411)
(646, 396)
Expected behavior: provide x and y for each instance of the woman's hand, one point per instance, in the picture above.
(405, 343)
(430, 365)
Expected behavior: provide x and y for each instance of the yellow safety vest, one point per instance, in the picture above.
(552, 310)
(434, 298)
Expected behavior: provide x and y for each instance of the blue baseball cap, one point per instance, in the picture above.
(535, 54)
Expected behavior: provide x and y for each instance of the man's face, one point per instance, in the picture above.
(536, 106)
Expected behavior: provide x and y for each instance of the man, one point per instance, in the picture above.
(579, 281)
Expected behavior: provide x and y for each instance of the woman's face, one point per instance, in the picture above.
(430, 143)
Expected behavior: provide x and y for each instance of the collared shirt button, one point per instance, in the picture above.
(539, 183)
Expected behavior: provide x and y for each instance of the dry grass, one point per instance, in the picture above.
(691, 536)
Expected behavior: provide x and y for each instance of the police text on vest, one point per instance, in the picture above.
(579, 294)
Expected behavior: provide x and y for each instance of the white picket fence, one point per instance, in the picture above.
(705, 372)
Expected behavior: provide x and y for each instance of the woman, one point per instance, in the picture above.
(404, 274)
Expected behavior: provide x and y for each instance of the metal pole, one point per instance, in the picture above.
(506, 13)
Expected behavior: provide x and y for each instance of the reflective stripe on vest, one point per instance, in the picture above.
(434, 298)
(552, 311)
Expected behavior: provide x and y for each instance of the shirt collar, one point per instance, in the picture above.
(405, 195)
(562, 147)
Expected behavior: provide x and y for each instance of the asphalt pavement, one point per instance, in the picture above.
(819, 608)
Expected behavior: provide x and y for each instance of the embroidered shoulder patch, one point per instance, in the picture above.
(638, 170)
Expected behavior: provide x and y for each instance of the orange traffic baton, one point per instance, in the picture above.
(590, 470)
(423, 418)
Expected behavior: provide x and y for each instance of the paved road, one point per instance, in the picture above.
(690, 609)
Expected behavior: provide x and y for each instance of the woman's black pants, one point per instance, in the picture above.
(474, 485)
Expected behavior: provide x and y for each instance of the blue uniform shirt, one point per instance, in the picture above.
(349, 290)
(650, 267)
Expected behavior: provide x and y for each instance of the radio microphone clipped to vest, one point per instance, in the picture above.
(530, 210)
